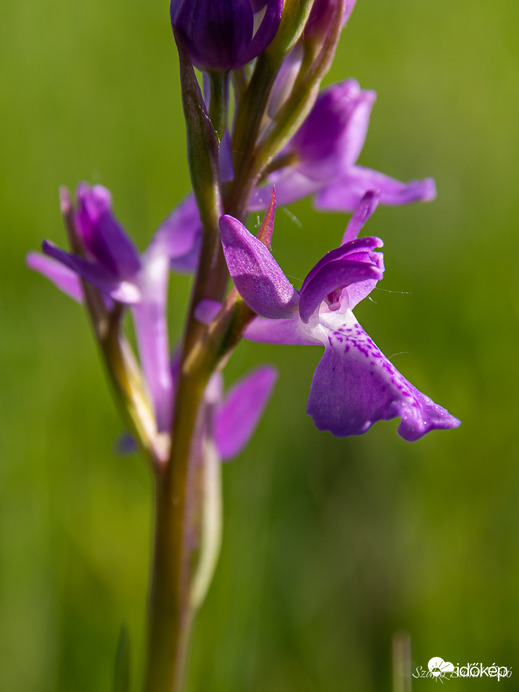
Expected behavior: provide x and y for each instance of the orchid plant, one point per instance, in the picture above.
(285, 141)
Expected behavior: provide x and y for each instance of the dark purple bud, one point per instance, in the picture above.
(323, 11)
(225, 34)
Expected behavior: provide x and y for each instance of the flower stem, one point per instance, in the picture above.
(170, 610)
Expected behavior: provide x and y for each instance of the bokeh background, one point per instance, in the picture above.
(331, 546)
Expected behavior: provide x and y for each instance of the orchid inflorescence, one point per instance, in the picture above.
(285, 141)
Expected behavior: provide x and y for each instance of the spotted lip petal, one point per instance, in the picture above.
(355, 385)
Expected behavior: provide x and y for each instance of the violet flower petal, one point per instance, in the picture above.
(319, 18)
(360, 249)
(98, 276)
(206, 310)
(326, 145)
(266, 31)
(285, 80)
(355, 385)
(332, 136)
(336, 274)
(263, 330)
(103, 236)
(221, 34)
(256, 274)
(238, 415)
(214, 31)
(225, 166)
(290, 185)
(365, 209)
(180, 236)
(61, 276)
(346, 193)
(152, 333)
(287, 332)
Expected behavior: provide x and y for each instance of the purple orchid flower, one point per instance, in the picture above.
(111, 263)
(225, 34)
(325, 150)
(354, 384)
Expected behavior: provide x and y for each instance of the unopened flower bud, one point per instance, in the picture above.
(225, 34)
(323, 12)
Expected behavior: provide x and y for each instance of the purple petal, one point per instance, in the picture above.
(319, 19)
(220, 35)
(288, 332)
(337, 274)
(238, 415)
(285, 79)
(331, 138)
(225, 167)
(367, 206)
(180, 236)
(347, 192)
(206, 310)
(101, 278)
(265, 32)
(62, 277)
(290, 184)
(152, 333)
(256, 274)
(263, 330)
(360, 250)
(355, 385)
(213, 31)
(327, 145)
(103, 236)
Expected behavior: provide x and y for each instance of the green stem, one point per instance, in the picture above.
(171, 615)
(218, 98)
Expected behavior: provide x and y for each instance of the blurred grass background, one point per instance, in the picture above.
(331, 546)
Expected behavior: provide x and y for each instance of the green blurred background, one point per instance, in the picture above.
(331, 546)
